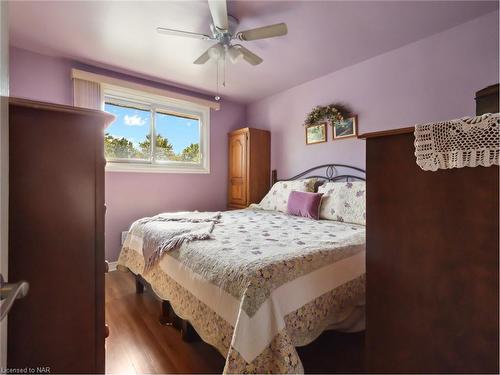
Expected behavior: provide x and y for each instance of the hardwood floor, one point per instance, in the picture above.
(138, 343)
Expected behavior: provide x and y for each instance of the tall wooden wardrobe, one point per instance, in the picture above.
(432, 242)
(249, 166)
(56, 237)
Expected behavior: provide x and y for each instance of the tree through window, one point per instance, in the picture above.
(177, 135)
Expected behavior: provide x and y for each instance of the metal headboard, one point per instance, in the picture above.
(330, 173)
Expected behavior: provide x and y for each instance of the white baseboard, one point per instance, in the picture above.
(112, 266)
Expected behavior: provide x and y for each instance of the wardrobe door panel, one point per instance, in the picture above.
(238, 169)
(259, 165)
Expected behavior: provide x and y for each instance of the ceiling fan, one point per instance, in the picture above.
(224, 32)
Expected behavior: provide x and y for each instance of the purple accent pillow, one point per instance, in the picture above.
(304, 204)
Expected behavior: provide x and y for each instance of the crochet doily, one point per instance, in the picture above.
(465, 142)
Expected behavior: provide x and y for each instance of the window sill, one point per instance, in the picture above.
(141, 168)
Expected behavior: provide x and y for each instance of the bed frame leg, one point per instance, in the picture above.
(188, 333)
(174, 318)
(166, 314)
(139, 286)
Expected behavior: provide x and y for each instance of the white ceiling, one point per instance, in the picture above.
(323, 37)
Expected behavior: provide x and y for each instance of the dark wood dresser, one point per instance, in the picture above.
(56, 236)
(249, 166)
(432, 261)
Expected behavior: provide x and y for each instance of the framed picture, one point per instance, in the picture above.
(316, 134)
(346, 129)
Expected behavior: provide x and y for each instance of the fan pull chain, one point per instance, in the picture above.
(224, 71)
(217, 97)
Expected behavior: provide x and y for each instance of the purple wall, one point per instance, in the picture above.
(130, 196)
(431, 79)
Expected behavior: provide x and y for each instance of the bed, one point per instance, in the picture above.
(265, 283)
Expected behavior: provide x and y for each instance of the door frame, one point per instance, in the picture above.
(4, 164)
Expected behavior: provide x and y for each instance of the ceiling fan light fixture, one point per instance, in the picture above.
(235, 54)
(216, 52)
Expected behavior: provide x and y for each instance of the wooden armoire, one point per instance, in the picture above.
(56, 237)
(249, 166)
(432, 262)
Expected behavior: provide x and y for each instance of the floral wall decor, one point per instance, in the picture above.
(331, 113)
(343, 123)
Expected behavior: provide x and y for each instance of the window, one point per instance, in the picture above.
(154, 134)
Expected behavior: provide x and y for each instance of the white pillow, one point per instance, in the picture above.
(277, 198)
(344, 201)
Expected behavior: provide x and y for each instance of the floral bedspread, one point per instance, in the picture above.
(266, 283)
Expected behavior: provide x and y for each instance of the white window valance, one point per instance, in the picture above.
(464, 142)
(102, 80)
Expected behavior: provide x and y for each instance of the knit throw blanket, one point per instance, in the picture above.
(168, 231)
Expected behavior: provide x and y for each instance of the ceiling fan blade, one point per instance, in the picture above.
(218, 9)
(248, 55)
(263, 32)
(215, 52)
(188, 34)
(203, 58)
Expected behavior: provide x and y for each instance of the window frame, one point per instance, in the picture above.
(153, 104)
